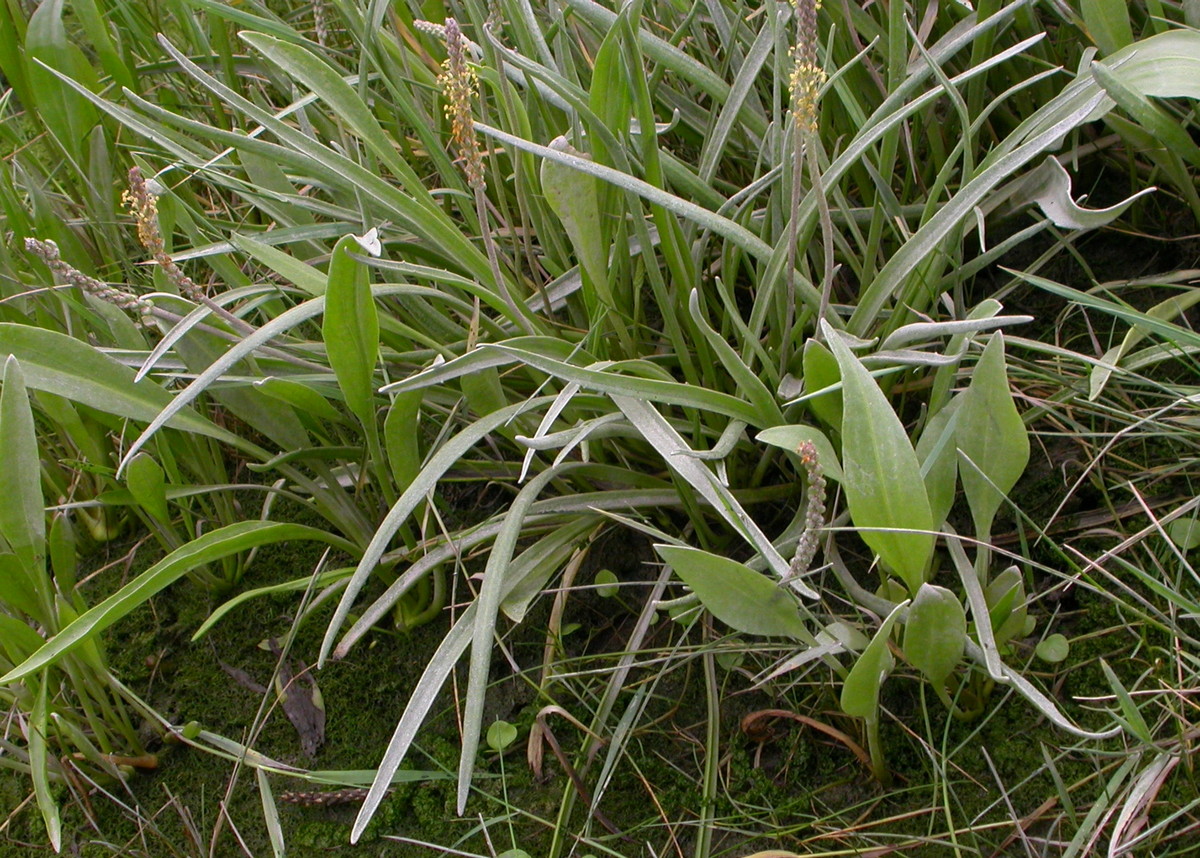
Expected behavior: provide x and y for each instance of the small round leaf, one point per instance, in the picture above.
(1053, 649)
(500, 735)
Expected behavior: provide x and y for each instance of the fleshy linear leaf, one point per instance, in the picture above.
(735, 594)
(65, 366)
(881, 476)
(208, 547)
(39, 757)
(991, 438)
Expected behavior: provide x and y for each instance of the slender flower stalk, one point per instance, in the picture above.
(804, 84)
(459, 86)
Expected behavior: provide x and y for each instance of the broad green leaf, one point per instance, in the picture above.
(1107, 22)
(935, 633)
(1166, 130)
(860, 691)
(500, 735)
(63, 557)
(881, 475)
(791, 437)
(572, 197)
(18, 592)
(22, 510)
(991, 438)
(148, 486)
(351, 330)
(745, 600)
(1185, 532)
(821, 371)
(607, 584)
(17, 638)
(209, 547)
(401, 437)
(938, 455)
(1049, 187)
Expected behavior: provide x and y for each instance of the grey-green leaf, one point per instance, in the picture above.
(735, 594)
(22, 510)
(860, 691)
(991, 437)
(881, 476)
(351, 329)
(935, 633)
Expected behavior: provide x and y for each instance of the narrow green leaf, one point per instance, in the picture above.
(991, 437)
(39, 758)
(22, 510)
(881, 475)
(72, 369)
(207, 548)
(745, 600)
(935, 633)
(343, 101)
(1132, 718)
(351, 330)
(401, 436)
(938, 455)
(270, 813)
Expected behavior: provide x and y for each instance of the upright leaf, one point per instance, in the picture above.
(935, 634)
(991, 438)
(351, 330)
(880, 473)
(860, 691)
(22, 510)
